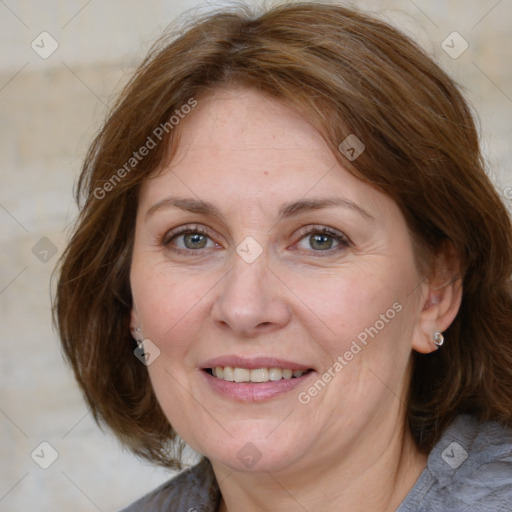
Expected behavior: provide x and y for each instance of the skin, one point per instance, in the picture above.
(299, 300)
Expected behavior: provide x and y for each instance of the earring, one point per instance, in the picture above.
(137, 334)
(438, 339)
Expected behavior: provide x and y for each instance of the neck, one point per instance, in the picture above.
(349, 481)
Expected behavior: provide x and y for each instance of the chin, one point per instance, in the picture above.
(255, 455)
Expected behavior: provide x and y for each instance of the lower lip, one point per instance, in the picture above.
(254, 392)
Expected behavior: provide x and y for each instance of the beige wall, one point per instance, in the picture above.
(50, 108)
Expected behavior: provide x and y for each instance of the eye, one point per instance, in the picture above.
(188, 239)
(323, 239)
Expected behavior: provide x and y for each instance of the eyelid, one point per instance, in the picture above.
(321, 229)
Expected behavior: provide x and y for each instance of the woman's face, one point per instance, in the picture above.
(255, 250)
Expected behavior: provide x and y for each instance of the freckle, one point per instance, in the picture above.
(265, 172)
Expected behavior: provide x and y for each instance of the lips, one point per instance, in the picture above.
(253, 379)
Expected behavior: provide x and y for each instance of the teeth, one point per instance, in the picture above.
(259, 375)
(255, 375)
(275, 373)
(227, 373)
(242, 374)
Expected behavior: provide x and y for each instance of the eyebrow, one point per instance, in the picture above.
(287, 210)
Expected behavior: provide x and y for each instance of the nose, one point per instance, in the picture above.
(251, 300)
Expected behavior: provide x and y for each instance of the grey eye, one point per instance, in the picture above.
(194, 240)
(320, 241)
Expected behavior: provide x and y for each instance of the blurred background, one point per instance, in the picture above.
(61, 65)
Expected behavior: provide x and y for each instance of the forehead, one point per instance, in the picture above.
(239, 144)
(249, 118)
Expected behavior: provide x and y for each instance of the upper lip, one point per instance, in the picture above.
(253, 363)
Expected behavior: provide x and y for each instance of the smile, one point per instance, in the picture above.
(254, 375)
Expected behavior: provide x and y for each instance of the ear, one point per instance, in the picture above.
(440, 301)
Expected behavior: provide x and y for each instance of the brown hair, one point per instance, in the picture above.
(349, 74)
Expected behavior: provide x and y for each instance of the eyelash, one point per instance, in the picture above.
(343, 241)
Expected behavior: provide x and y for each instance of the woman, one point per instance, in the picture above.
(289, 257)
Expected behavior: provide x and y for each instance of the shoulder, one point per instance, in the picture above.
(470, 468)
(193, 490)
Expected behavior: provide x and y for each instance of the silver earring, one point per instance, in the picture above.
(137, 334)
(438, 339)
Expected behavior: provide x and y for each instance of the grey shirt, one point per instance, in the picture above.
(468, 470)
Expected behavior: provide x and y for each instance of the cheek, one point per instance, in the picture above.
(176, 398)
(367, 317)
(169, 303)
(347, 302)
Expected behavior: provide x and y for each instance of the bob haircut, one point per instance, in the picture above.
(346, 73)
